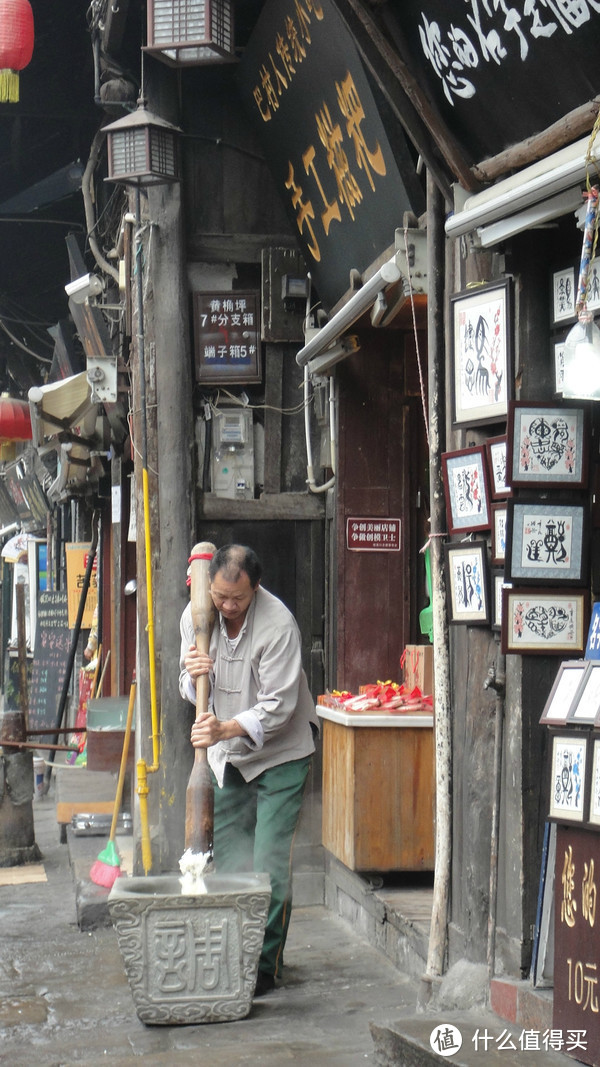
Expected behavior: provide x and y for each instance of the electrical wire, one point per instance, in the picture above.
(19, 344)
(297, 410)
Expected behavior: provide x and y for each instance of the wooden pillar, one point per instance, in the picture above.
(175, 536)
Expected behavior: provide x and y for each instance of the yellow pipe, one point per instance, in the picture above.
(142, 792)
(150, 625)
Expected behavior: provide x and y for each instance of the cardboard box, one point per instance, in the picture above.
(417, 664)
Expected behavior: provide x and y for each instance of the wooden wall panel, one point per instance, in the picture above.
(380, 469)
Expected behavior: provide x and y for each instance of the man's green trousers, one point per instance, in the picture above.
(255, 824)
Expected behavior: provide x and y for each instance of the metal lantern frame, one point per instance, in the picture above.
(191, 33)
(142, 150)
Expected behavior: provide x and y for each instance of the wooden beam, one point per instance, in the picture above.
(567, 129)
(235, 247)
(270, 507)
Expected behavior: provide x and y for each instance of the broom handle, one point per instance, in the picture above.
(124, 755)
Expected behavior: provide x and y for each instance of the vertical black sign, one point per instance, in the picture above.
(50, 655)
(344, 188)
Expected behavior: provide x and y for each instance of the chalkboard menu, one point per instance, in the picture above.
(50, 655)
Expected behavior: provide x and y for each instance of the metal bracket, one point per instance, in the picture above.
(102, 376)
(413, 266)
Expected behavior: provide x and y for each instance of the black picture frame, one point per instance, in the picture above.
(546, 542)
(547, 445)
(481, 343)
(467, 582)
(544, 621)
(465, 477)
(569, 777)
(495, 447)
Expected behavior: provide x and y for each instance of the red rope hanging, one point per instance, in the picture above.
(16, 46)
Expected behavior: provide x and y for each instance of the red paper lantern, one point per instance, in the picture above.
(16, 45)
(15, 420)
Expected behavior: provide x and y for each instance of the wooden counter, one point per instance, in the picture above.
(378, 790)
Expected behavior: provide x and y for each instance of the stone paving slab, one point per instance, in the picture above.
(65, 1000)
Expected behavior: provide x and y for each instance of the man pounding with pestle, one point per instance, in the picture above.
(259, 734)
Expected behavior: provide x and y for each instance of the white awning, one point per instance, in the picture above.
(552, 187)
(63, 420)
(62, 407)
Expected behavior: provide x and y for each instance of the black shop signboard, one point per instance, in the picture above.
(344, 183)
(577, 942)
(499, 73)
(50, 656)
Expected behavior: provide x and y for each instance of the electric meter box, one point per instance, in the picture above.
(233, 454)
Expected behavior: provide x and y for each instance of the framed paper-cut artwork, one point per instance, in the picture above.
(594, 813)
(585, 708)
(498, 533)
(466, 489)
(482, 353)
(544, 621)
(496, 453)
(497, 585)
(546, 543)
(467, 579)
(567, 781)
(547, 446)
(568, 679)
(564, 294)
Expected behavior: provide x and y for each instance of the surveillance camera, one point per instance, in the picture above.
(84, 287)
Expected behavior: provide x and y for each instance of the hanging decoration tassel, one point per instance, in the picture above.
(9, 86)
(16, 46)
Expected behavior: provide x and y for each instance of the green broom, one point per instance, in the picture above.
(107, 868)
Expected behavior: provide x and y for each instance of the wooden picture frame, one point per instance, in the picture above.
(546, 543)
(467, 583)
(568, 777)
(547, 445)
(482, 353)
(564, 295)
(585, 706)
(496, 587)
(466, 489)
(568, 679)
(498, 539)
(496, 456)
(544, 621)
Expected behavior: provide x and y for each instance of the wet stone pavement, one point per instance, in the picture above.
(64, 997)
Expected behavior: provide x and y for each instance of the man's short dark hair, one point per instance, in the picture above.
(233, 560)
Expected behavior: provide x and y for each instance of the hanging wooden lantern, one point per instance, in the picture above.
(16, 46)
(142, 149)
(186, 33)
